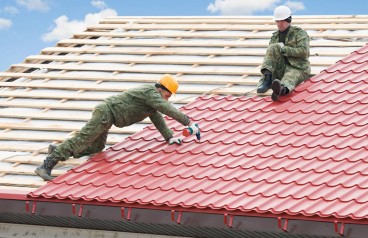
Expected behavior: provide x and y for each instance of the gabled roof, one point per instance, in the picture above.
(48, 97)
(303, 158)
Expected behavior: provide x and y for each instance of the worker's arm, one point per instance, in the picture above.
(159, 104)
(298, 46)
(162, 106)
(159, 122)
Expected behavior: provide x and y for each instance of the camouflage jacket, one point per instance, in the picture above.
(296, 48)
(141, 102)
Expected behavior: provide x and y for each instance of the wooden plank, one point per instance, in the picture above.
(157, 51)
(217, 61)
(167, 43)
(201, 43)
(21, 182)
(184, 34)
(47, 138)
(17, 188)
(157, 70)
(73, 87)
(21, 147)
(76, 95)
(22, 156)
(179, 51)
(212, 35)
(227, 27)
(57, 127)
(36, 160)
(37, 155)
(238, 20)
(33, 138)
(66, 106)
(254, 93)
(42, 105)
(113, 68)
(28, 171)
(51, 95)
(147, 60)
(143, 79)
(66, 116)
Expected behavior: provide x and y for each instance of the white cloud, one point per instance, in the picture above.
(240, 7)
(5, 23)
(99, 4)
(65, 28)
(37, 5)
(295, 6)
(11, 10)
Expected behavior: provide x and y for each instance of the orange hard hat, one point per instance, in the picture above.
(169, 82)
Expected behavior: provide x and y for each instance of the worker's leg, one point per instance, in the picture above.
(96, 146)
(273, 66)
(293, 77)
(99, 125)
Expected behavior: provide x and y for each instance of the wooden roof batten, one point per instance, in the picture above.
(47, 97)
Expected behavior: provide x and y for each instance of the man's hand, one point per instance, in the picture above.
(192, 129)
(281, 44)
(175, 140)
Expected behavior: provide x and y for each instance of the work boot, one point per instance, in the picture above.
(278, 89)
(44, 170)
(266, 84)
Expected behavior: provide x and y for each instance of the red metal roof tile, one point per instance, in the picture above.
(351, 66)
(305, 156)
(362, 50)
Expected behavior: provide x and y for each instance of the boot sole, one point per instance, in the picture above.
(276, 88)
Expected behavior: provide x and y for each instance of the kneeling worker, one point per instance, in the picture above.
(120, 110)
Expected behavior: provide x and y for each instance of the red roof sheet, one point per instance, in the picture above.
(305, 156)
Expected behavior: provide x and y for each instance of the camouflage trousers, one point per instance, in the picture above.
(90, 139)
(277, 64)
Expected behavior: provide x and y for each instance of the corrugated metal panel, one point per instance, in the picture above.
(305, 156)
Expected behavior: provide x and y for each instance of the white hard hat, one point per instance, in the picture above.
(281, 13)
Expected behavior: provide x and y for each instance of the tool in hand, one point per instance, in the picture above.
(192, 129)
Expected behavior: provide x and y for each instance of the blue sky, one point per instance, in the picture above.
(28, 26)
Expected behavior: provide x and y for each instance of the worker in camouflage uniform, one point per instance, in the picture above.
(121, 110)
(286, 63)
